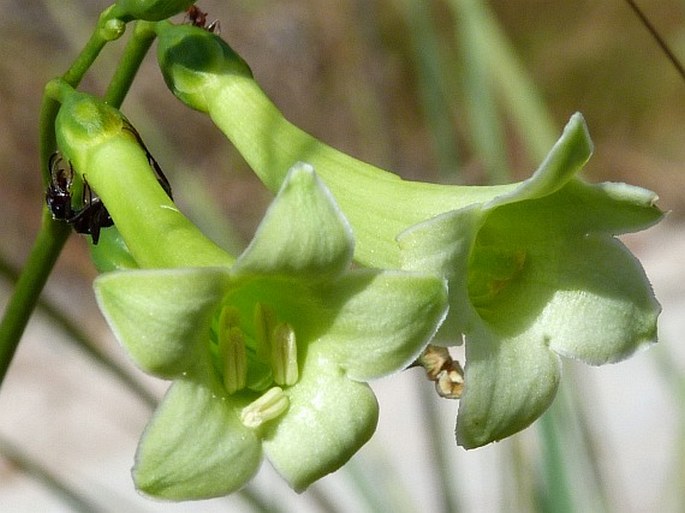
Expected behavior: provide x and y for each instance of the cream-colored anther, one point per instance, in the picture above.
(270, 405)
(232, 350)
(284, 355)
(234, 356)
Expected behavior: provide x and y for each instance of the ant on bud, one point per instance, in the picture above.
(198, 18)
(93, 216)
(88, 220)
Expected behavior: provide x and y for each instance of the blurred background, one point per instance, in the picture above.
(457, 91)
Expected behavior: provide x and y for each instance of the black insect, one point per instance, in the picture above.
(93, 215)
(198, 18)
(90, 218)
(159, 174)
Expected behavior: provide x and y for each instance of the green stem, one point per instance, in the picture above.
(52, 234)
(46, 249)
(136, 49)
(106, 30)
(77, 335)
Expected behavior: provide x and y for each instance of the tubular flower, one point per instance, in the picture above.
(268, 355)
(534, 268)
(544, 277)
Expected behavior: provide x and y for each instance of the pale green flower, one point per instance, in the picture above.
(268, 355)
(534, 269)
(536, 273)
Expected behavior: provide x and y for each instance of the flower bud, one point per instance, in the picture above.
(105, 150)
(192, 58)
(83, 124)
(149, 10)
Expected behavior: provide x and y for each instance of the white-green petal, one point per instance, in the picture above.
(568, 155)
(442, 245)
(576, 209)
(162, 317)
(195, 447)
(509, 382)
(329, 419)
(601, 306)
(303, 232)
(381, 320)
(613, 208)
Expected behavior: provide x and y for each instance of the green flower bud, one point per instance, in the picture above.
(106, 152)
(190, 57)
(149, 10)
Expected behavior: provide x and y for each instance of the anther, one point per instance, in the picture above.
(232, 350)
(284, 355)
(269, 406)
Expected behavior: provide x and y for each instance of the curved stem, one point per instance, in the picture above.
(104, 32)
(46, 249)
(136, 49)
(52, 235)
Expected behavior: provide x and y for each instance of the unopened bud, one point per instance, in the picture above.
(150, 10)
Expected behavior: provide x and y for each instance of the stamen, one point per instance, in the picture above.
(264, 322)
(229, 317)
(284, 355)
(232, 350)
(443, 370)
(269, 406)
(450, 382)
